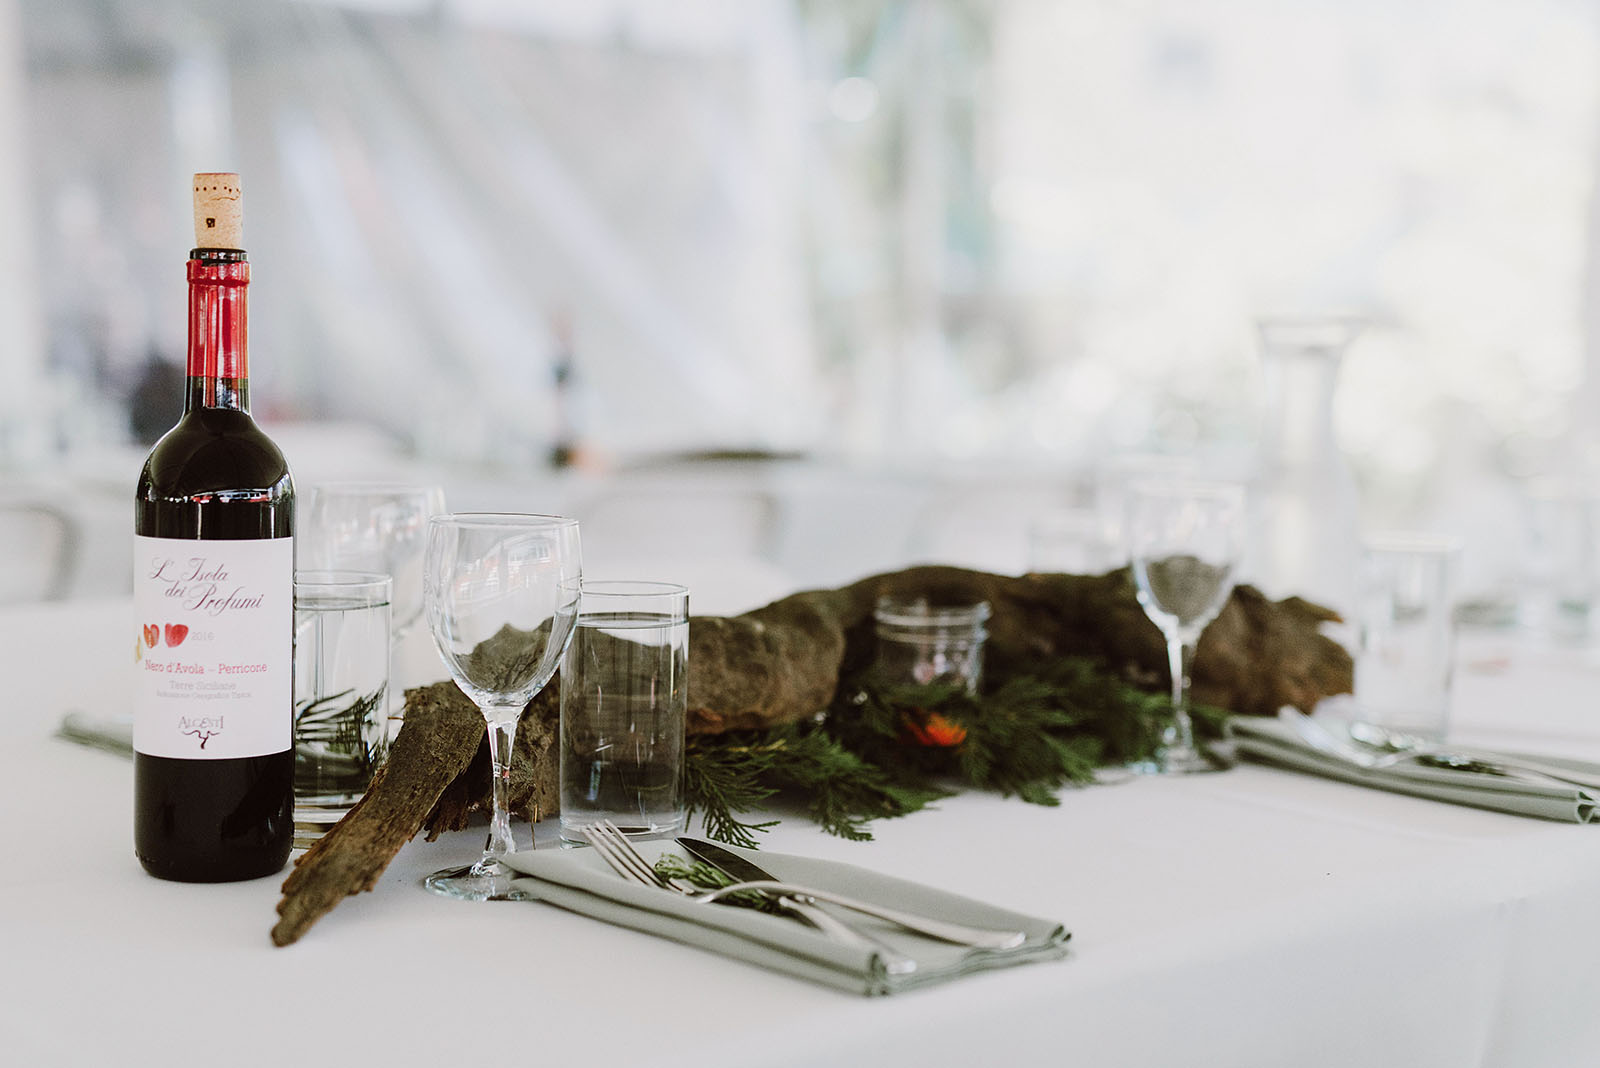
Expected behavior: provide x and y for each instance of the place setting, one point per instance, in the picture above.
(787, 533)
(836, 924)
(605, 704)
(578, 690)
(1394, 731)
(594, 678)
(507, 606)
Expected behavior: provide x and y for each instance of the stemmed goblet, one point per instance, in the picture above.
(379, 527)
(502, 593)
(371, 526)
(1185, 540)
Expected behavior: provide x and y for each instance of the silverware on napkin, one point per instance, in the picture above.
(583, 881)
(1354, 744)
(745, 871)
(810, 910)
(1321, 749)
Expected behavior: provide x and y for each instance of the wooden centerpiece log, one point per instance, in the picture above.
(782, 663)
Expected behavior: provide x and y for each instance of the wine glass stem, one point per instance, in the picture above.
(1180, 655)
(500, 843)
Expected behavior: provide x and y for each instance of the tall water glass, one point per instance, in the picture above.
(501, 592)
(1185, 541)
(624, 699)
(1405, 661)
(1562, 559)
(341, 688)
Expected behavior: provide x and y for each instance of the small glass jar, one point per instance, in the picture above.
(930, 645)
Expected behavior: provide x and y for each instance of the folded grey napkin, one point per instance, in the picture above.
(578, 880)
(1274, 742)
(113, 734)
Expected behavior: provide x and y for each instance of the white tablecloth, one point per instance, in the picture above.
(1250, 918)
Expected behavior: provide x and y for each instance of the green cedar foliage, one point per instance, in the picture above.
(1029, 737)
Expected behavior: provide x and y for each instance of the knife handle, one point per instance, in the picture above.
(958, 933)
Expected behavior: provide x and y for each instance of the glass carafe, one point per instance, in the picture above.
(1305, 534)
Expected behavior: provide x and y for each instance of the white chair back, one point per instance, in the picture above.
(39, 545)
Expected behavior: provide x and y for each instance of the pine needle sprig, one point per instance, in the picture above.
(723, 776)
(707, 877)
(864, 759)
(842, 790)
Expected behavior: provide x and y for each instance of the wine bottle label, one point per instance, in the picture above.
(215, 649)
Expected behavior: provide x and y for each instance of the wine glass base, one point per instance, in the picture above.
(487, 880)
(1176, 762)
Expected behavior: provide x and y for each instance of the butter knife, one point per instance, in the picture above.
(737, 867)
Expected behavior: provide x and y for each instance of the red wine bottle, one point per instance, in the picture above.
(214, 593)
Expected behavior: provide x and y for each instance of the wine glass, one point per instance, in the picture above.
(501, 592)
(371, 526)
(1185, 541)
(378, 527)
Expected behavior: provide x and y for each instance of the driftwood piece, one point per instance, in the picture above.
(437, 774)
(535, 760)
(435, 745)
(782, 663)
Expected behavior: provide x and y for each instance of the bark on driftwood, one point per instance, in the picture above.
(782, 663)
(436, 775)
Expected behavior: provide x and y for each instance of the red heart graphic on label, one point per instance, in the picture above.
(152, 634)
(176, 632)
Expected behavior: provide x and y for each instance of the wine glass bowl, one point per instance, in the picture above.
(1185, 544)
(501, 594)
(371, 526)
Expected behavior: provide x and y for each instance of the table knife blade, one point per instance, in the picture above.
(726, 861)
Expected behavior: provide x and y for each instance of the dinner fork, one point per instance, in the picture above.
(623, 858)
(614, 847)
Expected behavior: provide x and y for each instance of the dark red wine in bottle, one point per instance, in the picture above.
(214, 594)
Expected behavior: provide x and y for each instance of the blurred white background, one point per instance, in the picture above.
(877, 264)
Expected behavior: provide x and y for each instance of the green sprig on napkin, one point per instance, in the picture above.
(703, 875)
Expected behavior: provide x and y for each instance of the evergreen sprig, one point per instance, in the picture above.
(707, 877)
(740, 771)
(1029, 737)
(723, 775)
(331, 743)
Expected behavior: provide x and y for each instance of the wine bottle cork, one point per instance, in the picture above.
(218, 211)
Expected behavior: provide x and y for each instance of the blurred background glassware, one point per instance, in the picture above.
(1305, 504)
(1405, 660)
(1185, 540)
(341, 687)
(922, 644)
(1560, 559)
(624, 703)
(1072, 541)
(501, 594)
(1115, 475)
(379, 527)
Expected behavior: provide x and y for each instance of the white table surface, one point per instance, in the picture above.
(1250, 918)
